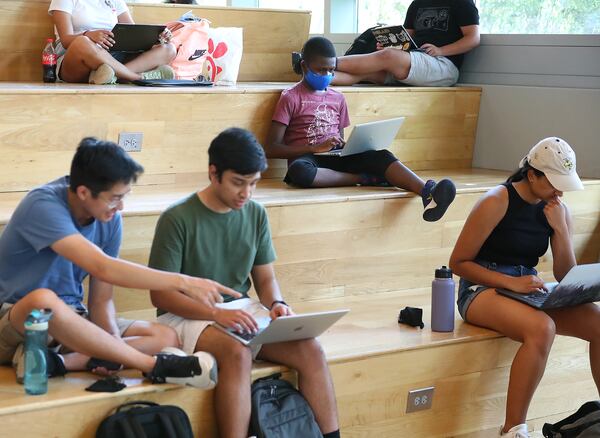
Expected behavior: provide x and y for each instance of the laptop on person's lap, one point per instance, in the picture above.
(284, 328)
(581, 285)
(372, 136)
(135, 38)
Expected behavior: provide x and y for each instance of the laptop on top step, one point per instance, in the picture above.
(581, 285)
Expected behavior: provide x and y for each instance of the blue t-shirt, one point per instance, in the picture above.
(27, 262)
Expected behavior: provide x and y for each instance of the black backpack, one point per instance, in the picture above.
(142, 419)
(364, 43)
(280, 411)
(585, 423)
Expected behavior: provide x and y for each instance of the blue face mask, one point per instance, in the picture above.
(317, 81)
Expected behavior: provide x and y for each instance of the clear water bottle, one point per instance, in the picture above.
(442, 301)
(35, 379)
(49, 59)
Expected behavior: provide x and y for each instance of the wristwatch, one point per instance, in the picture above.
(278, 302)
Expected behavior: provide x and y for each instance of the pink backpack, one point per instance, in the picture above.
(191, 42)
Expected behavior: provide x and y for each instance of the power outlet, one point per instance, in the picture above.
(419, 399)
(131, 141)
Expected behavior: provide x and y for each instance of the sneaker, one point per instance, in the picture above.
(55, 365)
(160, 72)
(519, 431)
(104, 75)
(437, 197)
(174, 366)
(296, 59)
(373, 181)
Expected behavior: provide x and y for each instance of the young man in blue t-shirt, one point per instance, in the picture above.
(67, 229)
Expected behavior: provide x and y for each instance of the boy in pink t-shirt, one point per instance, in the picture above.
(310, 118)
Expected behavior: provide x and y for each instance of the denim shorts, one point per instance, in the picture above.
(467, 291)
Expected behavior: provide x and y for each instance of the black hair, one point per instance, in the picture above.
(521, 173)
(182, 2)
(238, 150)
(98, 165)
(314, 47)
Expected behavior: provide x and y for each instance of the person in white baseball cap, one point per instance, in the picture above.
(508, 230)
(556, 159)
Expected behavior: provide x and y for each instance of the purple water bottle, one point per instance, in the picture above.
(442, 301)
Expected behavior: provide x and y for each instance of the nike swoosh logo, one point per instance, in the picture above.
(197, 54)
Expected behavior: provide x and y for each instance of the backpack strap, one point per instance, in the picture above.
(168, 426)
(128, 429)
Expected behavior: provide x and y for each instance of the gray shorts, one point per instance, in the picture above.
(427, 71)
(10, 338)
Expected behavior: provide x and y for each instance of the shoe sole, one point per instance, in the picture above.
(443, 194)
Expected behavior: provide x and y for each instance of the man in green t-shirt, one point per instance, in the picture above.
(221, 234)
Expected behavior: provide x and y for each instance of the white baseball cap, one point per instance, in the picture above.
(556, 159)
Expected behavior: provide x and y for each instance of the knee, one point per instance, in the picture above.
(42, 299)
(236, 356)
(542, 335)
(165, 336)
(83, 45)
(301, 173)
(168, 52)
(311, 354)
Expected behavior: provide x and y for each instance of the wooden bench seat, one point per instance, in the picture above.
(374, 362)
(338, 242)
(41, 125)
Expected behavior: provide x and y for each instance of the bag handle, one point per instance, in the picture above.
(135, 403)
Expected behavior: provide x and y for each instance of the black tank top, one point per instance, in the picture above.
(521, 237)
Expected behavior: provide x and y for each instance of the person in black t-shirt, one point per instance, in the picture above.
(507, 232)
(443, 29)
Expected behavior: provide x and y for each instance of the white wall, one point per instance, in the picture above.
(533, 87)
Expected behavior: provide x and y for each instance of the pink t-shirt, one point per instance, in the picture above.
(311, 116)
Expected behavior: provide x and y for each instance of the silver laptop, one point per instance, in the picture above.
(372, 136)
(288, 328)
(580, 285)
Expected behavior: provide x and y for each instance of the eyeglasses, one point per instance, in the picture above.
(116, 200)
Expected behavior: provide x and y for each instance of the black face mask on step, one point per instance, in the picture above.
(412, 316)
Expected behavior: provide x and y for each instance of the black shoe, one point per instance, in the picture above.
(54, 364)
(296, 59)
(437, 198)
(173, 366)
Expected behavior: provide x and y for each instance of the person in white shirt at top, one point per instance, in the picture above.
(83, 30)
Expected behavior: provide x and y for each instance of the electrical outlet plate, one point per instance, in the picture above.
(131, 141)
(419, 399)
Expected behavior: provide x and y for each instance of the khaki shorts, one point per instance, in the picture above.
(10, 338)
(427, 71)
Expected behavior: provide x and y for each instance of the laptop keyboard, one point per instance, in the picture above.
(538, 297)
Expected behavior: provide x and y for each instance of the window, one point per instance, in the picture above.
(539, 16)
(317, 7)
(371, 12)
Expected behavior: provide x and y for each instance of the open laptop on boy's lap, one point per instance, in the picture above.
(372, 136)
(282, 329)
(135, 38)
(581, 285)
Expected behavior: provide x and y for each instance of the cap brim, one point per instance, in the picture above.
(565, 183)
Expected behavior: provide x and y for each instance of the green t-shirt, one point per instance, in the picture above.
(194, 240)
